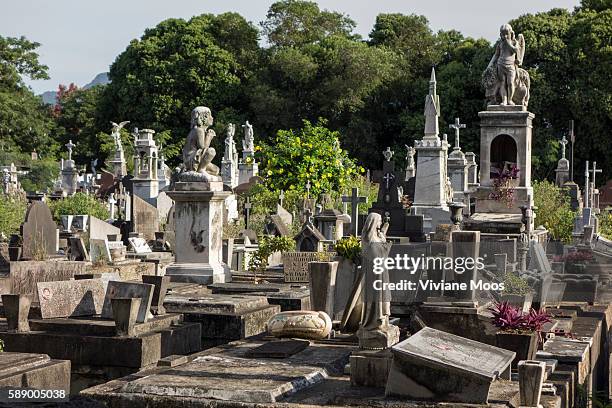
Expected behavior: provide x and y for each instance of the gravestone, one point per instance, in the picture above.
(466, 245)
(322, 286)
(83, 297)
(538, 259)
(275, 226)
(99, 251)
(39, 231)
(284, 215)
(145, 218)
(78, 252)
(139, 245)
(129, 290)
(99, 229)
(439, 366)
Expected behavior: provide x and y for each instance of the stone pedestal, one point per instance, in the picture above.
(562, 172)
(246, 171)
(531, 376)
(370, 368)
(458, 169)
(118, 165)
(16, 310)
(147, 189)
(70, 177)
(198, 221)
(430, 183)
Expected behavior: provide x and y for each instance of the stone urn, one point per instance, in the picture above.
(303, 324)
(456, 210)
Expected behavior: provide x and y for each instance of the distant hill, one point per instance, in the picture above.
(49, 97)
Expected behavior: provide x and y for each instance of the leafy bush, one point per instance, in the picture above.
(605, 224)
(78, 204)
(268, 246)
(553, 210)
(349, 248)
(515, 285)
(12, 213)
(311, 153)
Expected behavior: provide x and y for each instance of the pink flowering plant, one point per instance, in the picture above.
(502, 188)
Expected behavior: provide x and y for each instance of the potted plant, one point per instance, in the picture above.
(517, 331)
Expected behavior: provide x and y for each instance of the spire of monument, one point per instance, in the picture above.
(432, 108)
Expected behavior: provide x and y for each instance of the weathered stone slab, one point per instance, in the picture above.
(213, 303)
(36, 371)
(229, 379)
(140, 245)
(143, 291)
(242, 287)
(39, 232)
(99, 251)
(25, 274)
(145, 218)
(83, 297)
(99, 229)
(435, 365)
(278, 349)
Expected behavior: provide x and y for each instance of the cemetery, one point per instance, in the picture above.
(305, 269)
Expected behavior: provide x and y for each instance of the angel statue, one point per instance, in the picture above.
(115, 133)
(197, 153)
(247, 143)
(504, 81)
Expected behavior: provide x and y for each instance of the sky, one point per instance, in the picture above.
(81, 38)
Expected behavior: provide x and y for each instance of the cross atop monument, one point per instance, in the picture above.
(563, 142)
(388, 154)
(354, 199)
(70, 146)
(281, 197)
(595, 170)
(308, 189)
(457, 126)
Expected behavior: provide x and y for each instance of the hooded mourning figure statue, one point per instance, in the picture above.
(370, 300)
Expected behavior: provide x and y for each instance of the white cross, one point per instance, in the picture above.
(387, 154)
(457, 126)
(281, 197)
(308, 189)
(388, 177)
(563, 143)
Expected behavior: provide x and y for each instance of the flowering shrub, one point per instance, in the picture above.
(554, 210)
(502, 190)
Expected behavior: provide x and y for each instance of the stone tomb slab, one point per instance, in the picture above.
(140, 245)
(439, 366)
(36, 371)
(129, 290)
(83, 297)
(223, 317)
(39, 231)
(278, 349)
(229, 379)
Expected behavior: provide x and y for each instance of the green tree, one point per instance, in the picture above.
(178, 65)
(41, 176)
(295, 23)
(310, 154)
(25, 123)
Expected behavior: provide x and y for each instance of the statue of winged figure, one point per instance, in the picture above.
(115, 133)
(504, 81)
(247, 143)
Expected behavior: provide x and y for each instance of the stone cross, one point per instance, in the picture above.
(6, 180)
(247, 212)
(388, 154)
(563, 143)
(70, 146)
(586, 185)
(354, 199)
(457, 126)
(594, 170)
(388, 178)
(281, 197)
(308, 189)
